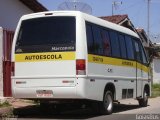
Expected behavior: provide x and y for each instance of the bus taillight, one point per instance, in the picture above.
(80, 67)
(12, 68)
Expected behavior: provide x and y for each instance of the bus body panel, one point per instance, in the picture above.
(43, 69)
(118, 75)
(58, 92)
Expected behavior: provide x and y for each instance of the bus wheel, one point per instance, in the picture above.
(106, 106)
(144, 101)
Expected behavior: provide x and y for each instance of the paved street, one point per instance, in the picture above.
(127, 110)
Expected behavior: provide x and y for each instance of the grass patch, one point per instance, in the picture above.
(155, 90)
(5, 104)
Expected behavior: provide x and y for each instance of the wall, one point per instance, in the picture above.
(10, 12)
(1, 63)
(156, 70)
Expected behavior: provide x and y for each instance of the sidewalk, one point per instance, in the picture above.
(15, 103)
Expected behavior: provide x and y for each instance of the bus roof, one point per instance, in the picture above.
(87, 17)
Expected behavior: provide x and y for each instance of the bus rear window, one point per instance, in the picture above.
(47, 34)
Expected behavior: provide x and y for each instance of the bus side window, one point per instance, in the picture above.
(106, 43)
(129, 45)
(115, 44)
(144, 58)
(138, 56)
(98, 47)
(122, 46)
(90, 43)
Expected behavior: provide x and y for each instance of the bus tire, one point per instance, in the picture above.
(144, 101)
(106, 106)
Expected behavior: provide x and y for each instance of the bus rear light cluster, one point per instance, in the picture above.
(80, 67)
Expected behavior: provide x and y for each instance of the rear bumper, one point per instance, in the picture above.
(76, 90)
(58, 92)
(82, 88)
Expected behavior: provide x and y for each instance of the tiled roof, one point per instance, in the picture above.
(34, 5)
(140, 30)
(142, 34)
(115, 18)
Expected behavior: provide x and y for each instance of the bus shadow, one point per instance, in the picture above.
(124, 107)
(36, 112)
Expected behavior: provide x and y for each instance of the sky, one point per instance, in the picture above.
(136, 10)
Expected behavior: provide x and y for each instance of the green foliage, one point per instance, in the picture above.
(155, 90)
(5, 104)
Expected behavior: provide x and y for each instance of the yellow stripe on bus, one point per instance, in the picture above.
(46, 56)
(116, 61)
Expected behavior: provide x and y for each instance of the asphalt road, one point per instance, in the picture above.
(126, 110)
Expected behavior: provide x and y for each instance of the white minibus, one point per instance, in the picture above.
(72, 56)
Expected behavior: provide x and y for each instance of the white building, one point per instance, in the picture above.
(10, 13)
(156, 65)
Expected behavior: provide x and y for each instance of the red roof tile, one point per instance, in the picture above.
(140, 30)
(115, 18)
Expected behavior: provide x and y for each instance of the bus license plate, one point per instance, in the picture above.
(44, 93)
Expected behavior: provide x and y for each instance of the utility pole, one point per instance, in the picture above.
(114, 5)
(148, 22)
